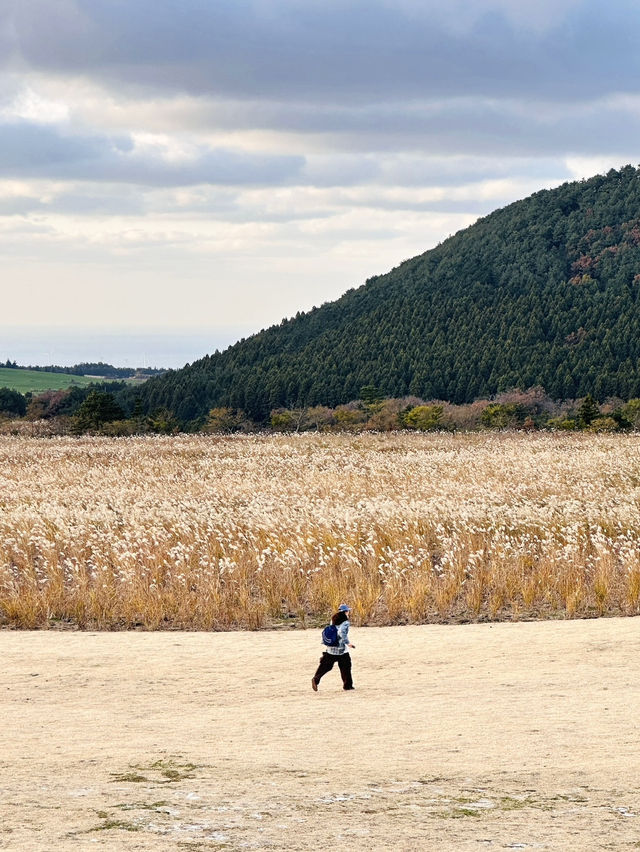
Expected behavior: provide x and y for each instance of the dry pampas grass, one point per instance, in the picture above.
(203, 532)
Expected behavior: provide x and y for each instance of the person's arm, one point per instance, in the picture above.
(344, 634)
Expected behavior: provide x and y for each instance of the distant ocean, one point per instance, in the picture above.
(148, 347)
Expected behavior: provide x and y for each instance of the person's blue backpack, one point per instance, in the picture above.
(330, 636)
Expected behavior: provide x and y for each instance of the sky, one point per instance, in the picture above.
(200, 169)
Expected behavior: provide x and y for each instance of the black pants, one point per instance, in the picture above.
(344, 663)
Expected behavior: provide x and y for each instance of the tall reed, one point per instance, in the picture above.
(211, 533)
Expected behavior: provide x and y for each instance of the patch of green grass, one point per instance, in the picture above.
(570, 797)
(457, 813)
(33, 380)
(174, 774)
(508, 803)
(141, 806)
(170, 771)
(130, 777)
(117, 824)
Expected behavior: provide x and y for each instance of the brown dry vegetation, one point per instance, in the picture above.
(204, 532)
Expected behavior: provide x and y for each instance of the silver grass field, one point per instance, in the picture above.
(217, 533)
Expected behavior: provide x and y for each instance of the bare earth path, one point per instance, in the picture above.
(517, 736)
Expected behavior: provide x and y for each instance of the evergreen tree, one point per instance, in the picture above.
(588, 411)
(12, 402)
(97, 409)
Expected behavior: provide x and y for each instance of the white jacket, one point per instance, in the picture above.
(343, 640)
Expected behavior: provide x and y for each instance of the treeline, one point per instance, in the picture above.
(97, 411)
(55, 404)
(98, 368)
(544, 292)
(529, 410)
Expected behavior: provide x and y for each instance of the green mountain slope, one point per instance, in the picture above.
(542, 292)
(37, 381)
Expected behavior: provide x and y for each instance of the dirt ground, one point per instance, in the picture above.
(503, 736)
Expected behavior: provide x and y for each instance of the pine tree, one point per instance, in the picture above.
(588, 411)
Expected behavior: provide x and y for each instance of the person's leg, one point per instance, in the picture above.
(344, 661)
(326, 664)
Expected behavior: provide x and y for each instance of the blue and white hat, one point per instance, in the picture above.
(344, 608)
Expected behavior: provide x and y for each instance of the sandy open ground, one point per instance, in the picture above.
(520, 736)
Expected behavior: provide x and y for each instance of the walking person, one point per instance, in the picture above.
(337, 653)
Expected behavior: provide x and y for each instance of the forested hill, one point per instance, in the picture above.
(542, 292)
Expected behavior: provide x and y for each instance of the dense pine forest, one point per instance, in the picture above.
(543, 292)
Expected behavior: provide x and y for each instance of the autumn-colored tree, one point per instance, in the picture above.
(631, 412)
(223, 420)
(163, 421)
(319, 417)
(423, 417)
(603, 424)
(562, 423)
(348, 417)
(499, 415)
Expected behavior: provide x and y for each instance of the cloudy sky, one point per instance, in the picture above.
(220, 164)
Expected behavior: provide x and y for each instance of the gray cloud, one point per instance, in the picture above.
(443, 144)
(44, 151)
(463, 126)
(357, 80)
(75, 203)
(230, 210)
(360, 51)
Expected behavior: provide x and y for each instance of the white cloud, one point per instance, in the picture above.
(586, 167)
(31, 105)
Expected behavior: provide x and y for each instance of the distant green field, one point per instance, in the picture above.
(32, 380)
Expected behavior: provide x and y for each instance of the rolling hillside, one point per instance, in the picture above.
(36, 381)
(542, 292)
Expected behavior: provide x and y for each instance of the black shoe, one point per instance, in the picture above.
(348, 687)
(314, 684)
